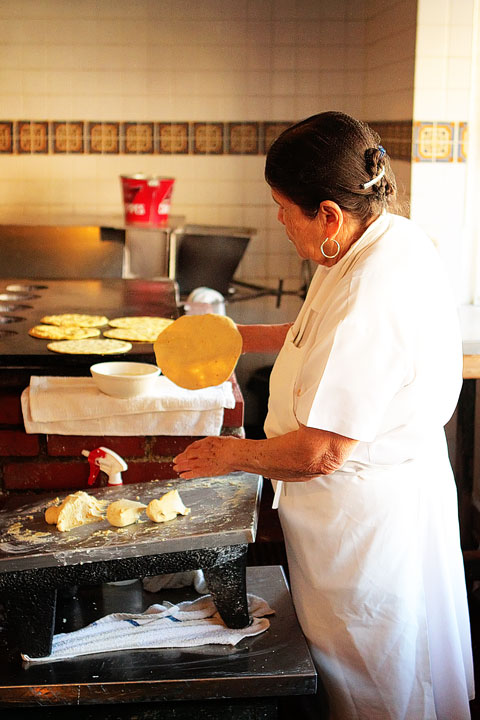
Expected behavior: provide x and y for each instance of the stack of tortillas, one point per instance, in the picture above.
(198, 351)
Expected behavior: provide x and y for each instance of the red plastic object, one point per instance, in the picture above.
(146, 199)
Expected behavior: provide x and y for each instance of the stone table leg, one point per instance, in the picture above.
(31, 620)
(227, 584)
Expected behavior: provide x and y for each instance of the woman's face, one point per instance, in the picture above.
(302, 231)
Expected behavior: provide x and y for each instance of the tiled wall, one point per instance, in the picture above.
(91, 90)
(442, 101)
(102, 84)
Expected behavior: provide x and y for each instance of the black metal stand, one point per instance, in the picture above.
(30, 595)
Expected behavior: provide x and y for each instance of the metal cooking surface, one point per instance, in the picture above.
(223, 512)
(23, 303)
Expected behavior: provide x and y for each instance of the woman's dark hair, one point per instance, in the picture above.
(331, 156)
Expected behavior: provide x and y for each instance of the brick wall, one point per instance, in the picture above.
(42, 462)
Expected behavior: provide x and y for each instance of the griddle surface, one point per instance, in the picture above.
(109, 297)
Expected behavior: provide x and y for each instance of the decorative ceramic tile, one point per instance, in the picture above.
(67, 137)
(32, 137)
(243, 138)
(6, 137)
(103, 138)
(172, 138)
(208, 138)
(138, 138)
(462, 152)
(433, 141)
(272, 130)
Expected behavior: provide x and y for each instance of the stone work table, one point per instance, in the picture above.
(36, 560)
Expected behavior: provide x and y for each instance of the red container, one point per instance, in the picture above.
(146, 199)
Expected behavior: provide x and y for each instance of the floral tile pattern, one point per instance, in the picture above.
(137, 138)
(67, 137)
(32, 137)
(208, 138)
(6, 137)
(422, 141)
(172, 138)
(104, 138)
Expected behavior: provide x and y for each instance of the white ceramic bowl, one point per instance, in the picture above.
(124, 379)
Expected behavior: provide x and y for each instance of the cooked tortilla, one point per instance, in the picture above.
(63, 332)
(90, 347)
(76, 319)
(197, 351)
(136, 333)
(144, 321)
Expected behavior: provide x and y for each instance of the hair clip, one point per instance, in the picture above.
(374, 180)
(382, 151)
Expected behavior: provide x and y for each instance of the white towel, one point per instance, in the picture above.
(188, 624)
(75, 406)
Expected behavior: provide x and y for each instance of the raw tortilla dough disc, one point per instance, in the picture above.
(63, 332)
(135, 333)
(76, 319)
(90, 347)
(197, 351)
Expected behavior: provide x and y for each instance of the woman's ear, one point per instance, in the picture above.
(332, 215)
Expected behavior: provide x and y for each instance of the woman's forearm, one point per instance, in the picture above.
(263, 338)
(295, 456)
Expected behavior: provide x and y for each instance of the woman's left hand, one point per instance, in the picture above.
(204, 458)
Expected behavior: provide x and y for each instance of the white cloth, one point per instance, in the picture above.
(373, 549)
(154, 583)
(75, 406)
(188, 624)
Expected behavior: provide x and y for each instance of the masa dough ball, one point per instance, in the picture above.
(124, 512)
(167, 507)
(77, 509)
(51, 514)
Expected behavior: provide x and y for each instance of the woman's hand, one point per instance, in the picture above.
(206, 458)
(295, 457)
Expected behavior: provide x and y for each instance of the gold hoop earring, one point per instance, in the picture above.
(330, 257)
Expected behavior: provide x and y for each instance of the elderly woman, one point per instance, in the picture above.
(365, 380)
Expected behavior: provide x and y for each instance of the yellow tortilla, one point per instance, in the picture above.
(62, 332)
(144, 321)
(198, 351)
(76, 319)
(90, 347)
(138, 334)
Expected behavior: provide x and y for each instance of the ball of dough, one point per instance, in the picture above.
(167, 507)
(51, 514)
(124, 512)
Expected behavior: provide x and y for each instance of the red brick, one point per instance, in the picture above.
(170, 445)
(10, 409)
(147, 471)
(45, 475)
(72, 445)
(17, 443)
(233, 417)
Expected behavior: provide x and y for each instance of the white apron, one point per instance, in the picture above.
(376, 573)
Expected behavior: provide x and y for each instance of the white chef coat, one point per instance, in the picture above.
(373, 548)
